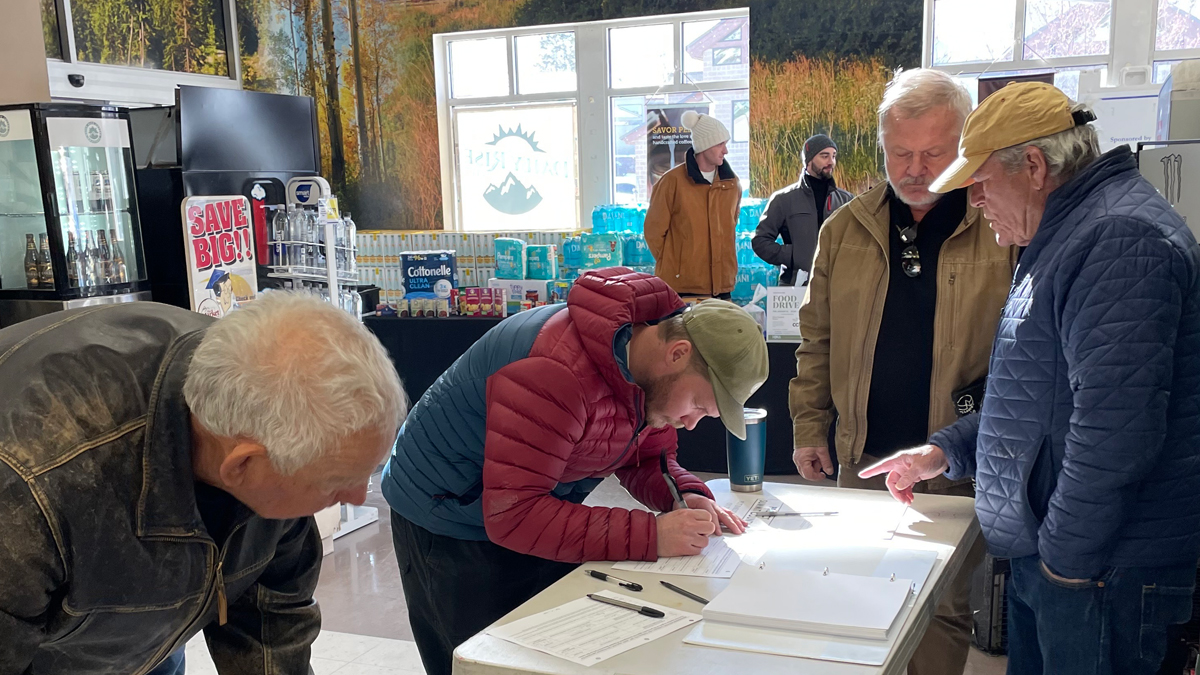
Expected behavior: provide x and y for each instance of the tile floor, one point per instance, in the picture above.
(365, 627)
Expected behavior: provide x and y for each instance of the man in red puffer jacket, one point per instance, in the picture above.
(492, 465)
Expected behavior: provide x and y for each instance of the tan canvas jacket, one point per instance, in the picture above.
(840, 318)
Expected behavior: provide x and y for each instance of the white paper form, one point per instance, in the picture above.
(587, 632)
(716, 560)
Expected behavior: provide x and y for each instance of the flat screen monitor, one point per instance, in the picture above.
(235, 130)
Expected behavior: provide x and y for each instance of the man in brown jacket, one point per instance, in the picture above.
(906, 292)
(693, 214)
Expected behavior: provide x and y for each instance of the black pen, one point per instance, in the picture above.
(671, 486)
(644, 611)
(597, 574)
(685, 593)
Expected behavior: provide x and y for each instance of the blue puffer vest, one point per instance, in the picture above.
(1088, 442)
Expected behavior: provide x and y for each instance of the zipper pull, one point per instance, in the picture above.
(222, 601)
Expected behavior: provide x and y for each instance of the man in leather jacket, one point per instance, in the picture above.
(158, 474)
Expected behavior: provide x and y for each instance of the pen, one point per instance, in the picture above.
(662, 463)
(644, 611)
(809, 514)
(685, 593)
(597, 574)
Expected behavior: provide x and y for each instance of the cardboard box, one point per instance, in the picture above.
(520, 289)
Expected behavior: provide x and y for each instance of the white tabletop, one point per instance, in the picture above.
(946, 525)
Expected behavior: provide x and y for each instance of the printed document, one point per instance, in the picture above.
(587, 632)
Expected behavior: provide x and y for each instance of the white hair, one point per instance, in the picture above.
(1067, 152)
(914, 93)
(297, 375)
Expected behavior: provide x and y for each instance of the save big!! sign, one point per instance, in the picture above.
(220, 253)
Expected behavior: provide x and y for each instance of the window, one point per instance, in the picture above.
(1065, 28)
(640, 56)
(189, 38)
(50, 29)
(545, 63)
(1178, 25)
(648, 138)
(479, 68)
(741, 122)
(1162, 70)
(968, 31)
(727, 56)
(537, 128)
(713, 51)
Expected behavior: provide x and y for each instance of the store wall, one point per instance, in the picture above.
(817, 66)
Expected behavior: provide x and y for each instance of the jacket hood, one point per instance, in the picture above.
(604, 301)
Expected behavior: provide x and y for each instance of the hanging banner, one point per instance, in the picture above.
(667, 140)
(219, 240)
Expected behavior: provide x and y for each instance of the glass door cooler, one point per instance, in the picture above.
(69, 229)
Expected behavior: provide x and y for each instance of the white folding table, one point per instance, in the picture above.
(946, 525)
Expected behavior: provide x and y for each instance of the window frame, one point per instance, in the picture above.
(592, 97)
(130, 85)
(1157, 54)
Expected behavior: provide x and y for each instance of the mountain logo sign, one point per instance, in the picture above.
(513, 197)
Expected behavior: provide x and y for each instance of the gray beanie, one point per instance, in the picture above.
(815, 144)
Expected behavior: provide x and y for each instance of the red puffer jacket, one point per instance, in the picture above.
(567, 413)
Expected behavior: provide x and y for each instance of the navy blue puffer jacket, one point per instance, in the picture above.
(1089, 437)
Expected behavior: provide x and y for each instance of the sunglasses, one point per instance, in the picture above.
(910, 257)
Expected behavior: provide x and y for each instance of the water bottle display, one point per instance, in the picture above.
(305, 241)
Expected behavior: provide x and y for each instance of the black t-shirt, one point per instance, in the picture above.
(218, 509)
(898, 405)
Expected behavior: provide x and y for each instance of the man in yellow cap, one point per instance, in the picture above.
(1086, 451)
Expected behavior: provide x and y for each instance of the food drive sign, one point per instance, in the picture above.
(220, 251)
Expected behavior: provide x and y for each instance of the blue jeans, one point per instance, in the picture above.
(1114, 625)
(173, 665)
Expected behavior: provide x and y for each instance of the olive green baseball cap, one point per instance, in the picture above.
(732, 344)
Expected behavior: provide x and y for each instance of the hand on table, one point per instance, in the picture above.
(813, 463)
(906, 469)
(683, 532)
(720, 514)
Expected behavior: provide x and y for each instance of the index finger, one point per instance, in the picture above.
(886, 466)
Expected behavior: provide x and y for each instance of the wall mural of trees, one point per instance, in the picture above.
(819, 65)
(182, 35)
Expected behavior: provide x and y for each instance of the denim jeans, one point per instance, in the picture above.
(173, 665)
(1113, 625)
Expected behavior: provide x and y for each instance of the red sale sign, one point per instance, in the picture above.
(219, 239)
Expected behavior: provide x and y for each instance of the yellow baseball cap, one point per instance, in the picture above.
(1013, 115)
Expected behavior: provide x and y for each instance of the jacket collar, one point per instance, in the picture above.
(1068, 196)
(872, 210)
(724, 172)
(168, 501)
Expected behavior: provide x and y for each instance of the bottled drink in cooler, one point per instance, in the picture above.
(32, 278)
(73, 267)
(349, 240)
(91, 262)
(105, 269)
(279, 234)
(120, 272)
(44, 266)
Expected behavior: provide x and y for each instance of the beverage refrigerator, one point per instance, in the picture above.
(70, 234)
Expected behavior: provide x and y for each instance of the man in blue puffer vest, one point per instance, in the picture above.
(1087, 449)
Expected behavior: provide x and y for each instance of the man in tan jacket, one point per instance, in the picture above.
(906, 292)
(693, 214)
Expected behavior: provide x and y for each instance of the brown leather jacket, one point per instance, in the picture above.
(840, 319)
(690, 229)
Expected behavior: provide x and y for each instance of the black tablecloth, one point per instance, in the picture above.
(423, 348)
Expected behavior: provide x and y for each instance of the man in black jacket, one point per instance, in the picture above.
(158, 474)
(795, 213)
